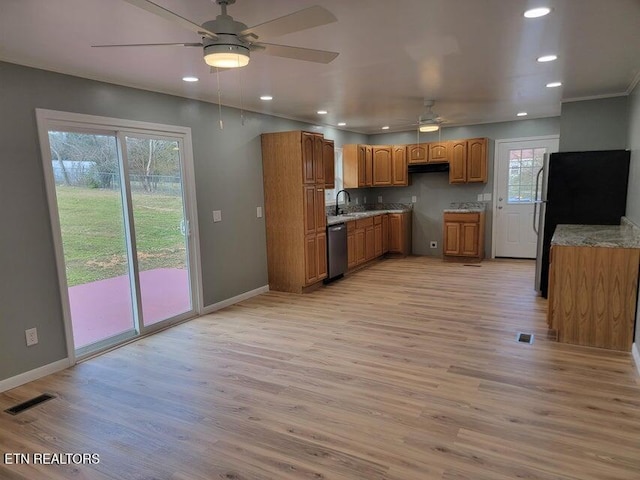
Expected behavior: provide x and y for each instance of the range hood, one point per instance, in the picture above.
(429, 168)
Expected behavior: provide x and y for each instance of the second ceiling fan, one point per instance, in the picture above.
(227, 43)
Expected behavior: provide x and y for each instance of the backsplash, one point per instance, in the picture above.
(331, 209)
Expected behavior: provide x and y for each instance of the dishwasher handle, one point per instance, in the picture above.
(337, 228)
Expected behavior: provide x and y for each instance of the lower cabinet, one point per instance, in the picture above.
(400, 233)
(592, 295)
(315, 258)
(372, 237)
(352, 260)
(464, 235)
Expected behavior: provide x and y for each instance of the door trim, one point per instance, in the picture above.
(48, 119)
(496, 160)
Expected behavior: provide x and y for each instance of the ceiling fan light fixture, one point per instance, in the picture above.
(427, 128)
(226, 56)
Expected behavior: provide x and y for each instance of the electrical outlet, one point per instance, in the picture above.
(357, 201)
(217, 215)
(433, 244)
(365, 200)
(379, 198)
(479, 197)
(32, 336)
(259, 212)
(486, 197)
(414, 199)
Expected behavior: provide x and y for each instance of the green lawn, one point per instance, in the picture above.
(93, 232)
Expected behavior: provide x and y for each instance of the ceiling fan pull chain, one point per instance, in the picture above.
(219, 99)
(241, 99)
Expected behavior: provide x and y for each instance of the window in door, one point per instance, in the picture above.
(524, 165)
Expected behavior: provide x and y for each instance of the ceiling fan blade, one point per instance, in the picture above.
(152, 45)
(297, 53)
(173, 17)
(294, 22)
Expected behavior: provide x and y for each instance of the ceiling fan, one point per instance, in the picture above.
(429, 121)
(227, 43)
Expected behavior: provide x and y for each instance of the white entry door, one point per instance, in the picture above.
(517, 165)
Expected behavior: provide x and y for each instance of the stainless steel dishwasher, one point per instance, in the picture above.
(336, 250)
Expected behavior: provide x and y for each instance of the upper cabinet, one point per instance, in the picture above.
(417, 153)
(357, 166)
(439, 152)
(374, 166)
(387, 165)
(312, 161)
(399, 172)
(329, 161)
(381, 166)
(468, 161)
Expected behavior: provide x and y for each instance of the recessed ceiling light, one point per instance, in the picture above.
(522, 114)
(386, 127)
(342, 124)
(547, 58)
(537, 12)
(190, 79)
(266, 97)
(554, 84)
(322, 112)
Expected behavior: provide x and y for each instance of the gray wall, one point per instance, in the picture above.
(633, 194)
(433, 189)
(600, 124)
(228, 172)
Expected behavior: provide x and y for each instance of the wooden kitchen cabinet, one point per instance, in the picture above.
(463, 235)
(399, 171)
(417, 153)
(385, 233)
(295, 216)
(433, 152)
(377, 236)
(329, 162)
(468, 161)
(592, 295)
(382, 165)
(360, 246)
(477, 160)
(400, 233)
(352, 260)
(439, 152)
(357, 166)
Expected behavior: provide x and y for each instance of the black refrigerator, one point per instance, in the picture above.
(579, 188)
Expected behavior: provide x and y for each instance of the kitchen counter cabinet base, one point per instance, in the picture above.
(592, 295)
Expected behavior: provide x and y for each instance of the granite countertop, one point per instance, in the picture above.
(465, 207)
(348, 217)
(608, 236)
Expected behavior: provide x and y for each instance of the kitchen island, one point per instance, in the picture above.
(593, 284)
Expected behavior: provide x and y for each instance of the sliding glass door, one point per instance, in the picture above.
(124, 240)
(161, 226)
(91, 212)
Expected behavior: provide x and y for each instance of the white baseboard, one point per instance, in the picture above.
(236, 299)
(636, 356)
(34, 374)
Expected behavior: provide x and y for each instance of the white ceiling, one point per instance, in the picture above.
(476, 58)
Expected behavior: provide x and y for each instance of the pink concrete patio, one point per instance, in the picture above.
(103, 308)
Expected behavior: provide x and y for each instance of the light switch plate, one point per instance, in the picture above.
(487, 197)
(414, 199)
(379, 198)
(217, 215)
(479, 197)
(259, 212)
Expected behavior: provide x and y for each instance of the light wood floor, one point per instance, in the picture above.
(406, 370)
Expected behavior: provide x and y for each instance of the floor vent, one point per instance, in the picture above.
(21, 407)
(525, 338)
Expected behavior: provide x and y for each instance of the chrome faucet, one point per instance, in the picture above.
(348, 199)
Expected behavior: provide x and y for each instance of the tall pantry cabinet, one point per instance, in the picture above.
(294, 182)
